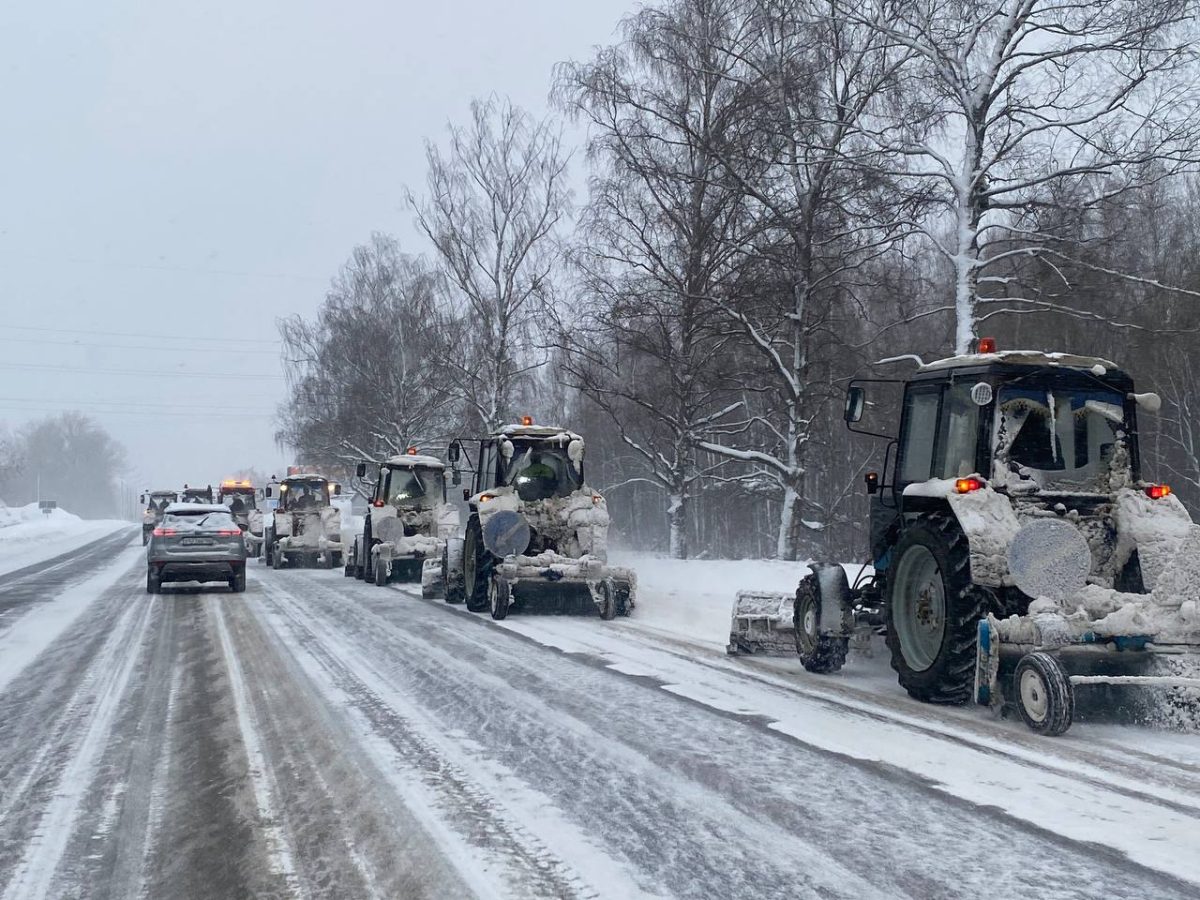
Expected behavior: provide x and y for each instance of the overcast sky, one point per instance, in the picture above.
(174, 177)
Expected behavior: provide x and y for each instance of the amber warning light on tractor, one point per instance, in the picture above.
(412, 451)
(967, 485)
(526, 420)
(987, 345)
(1158, 491)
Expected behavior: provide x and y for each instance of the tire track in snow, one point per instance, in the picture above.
(280, 854)
(444, 797)
(793, 785)
(98, 702)
(1137, 775)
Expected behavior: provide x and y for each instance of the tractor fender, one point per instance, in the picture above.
(986, 518)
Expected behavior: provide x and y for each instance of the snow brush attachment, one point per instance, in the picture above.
(762, 623)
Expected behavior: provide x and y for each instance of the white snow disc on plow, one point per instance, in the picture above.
(389, 529)
(506, 533)
(1049, 558)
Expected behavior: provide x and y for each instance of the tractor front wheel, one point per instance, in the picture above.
(819, 653)
(933, 610)
(478, 564)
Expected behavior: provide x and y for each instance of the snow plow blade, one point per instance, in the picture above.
(763, 624)
(568, 584)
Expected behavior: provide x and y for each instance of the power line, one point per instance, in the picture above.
(84, 345)
(137, 404)
(206, 414)
(159, 267)
(136, 334)
(140, 373)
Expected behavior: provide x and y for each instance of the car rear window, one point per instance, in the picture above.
(199, 519)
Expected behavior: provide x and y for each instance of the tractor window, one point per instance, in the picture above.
(1062, 439)
(920, 431)
(960, 442)
(540, 472)
(414, 487)
(302, 495)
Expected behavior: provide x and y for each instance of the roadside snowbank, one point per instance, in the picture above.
(693, 598)
(29, 536)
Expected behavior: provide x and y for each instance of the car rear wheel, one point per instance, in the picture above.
(153, 583)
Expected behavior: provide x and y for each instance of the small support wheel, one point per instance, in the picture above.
(277, 559)
(1044, 694)
(381, 572)
(499, 597)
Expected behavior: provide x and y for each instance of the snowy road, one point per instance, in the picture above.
(318, 737)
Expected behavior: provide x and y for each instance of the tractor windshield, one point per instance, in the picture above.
(238, 501)
(301, 495)
(1062, 439)
(540, 472)
(414, 487)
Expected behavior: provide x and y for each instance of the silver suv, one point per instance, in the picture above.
(196, 542)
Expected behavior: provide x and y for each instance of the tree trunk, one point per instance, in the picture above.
(677, 519)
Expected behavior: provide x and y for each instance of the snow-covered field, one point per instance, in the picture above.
(29, 536)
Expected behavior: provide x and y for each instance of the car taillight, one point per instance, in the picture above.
(1158, 491)
(967, 485)
(163, 532)
(225, 532)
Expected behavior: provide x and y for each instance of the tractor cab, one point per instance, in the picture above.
(196, 494)
(239, 495)
(536, 462)
(410, 481)
(301, 493)
(155, 503)
(1043, 430)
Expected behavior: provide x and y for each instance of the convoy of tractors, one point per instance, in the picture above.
(1016, 553)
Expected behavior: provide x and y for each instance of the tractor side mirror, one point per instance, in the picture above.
(454, 452)
(466, 493)
(360, 470)
(856, 400)
(872, 481)
(455, 476)
(267, 492)
(335, 489)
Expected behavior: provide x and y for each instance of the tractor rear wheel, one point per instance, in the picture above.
(819, 653)
(478, 564)
(933, 610)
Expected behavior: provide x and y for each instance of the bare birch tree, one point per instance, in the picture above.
(807, 80)
(1027, 95)
(366, 376)
(493, 201)
(656, 240)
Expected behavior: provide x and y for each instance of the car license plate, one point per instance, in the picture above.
(196, 542)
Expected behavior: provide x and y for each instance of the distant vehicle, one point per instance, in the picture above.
(239, 497)
(305, 528)
(197, 494)
(155, 502)
(197, 542)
